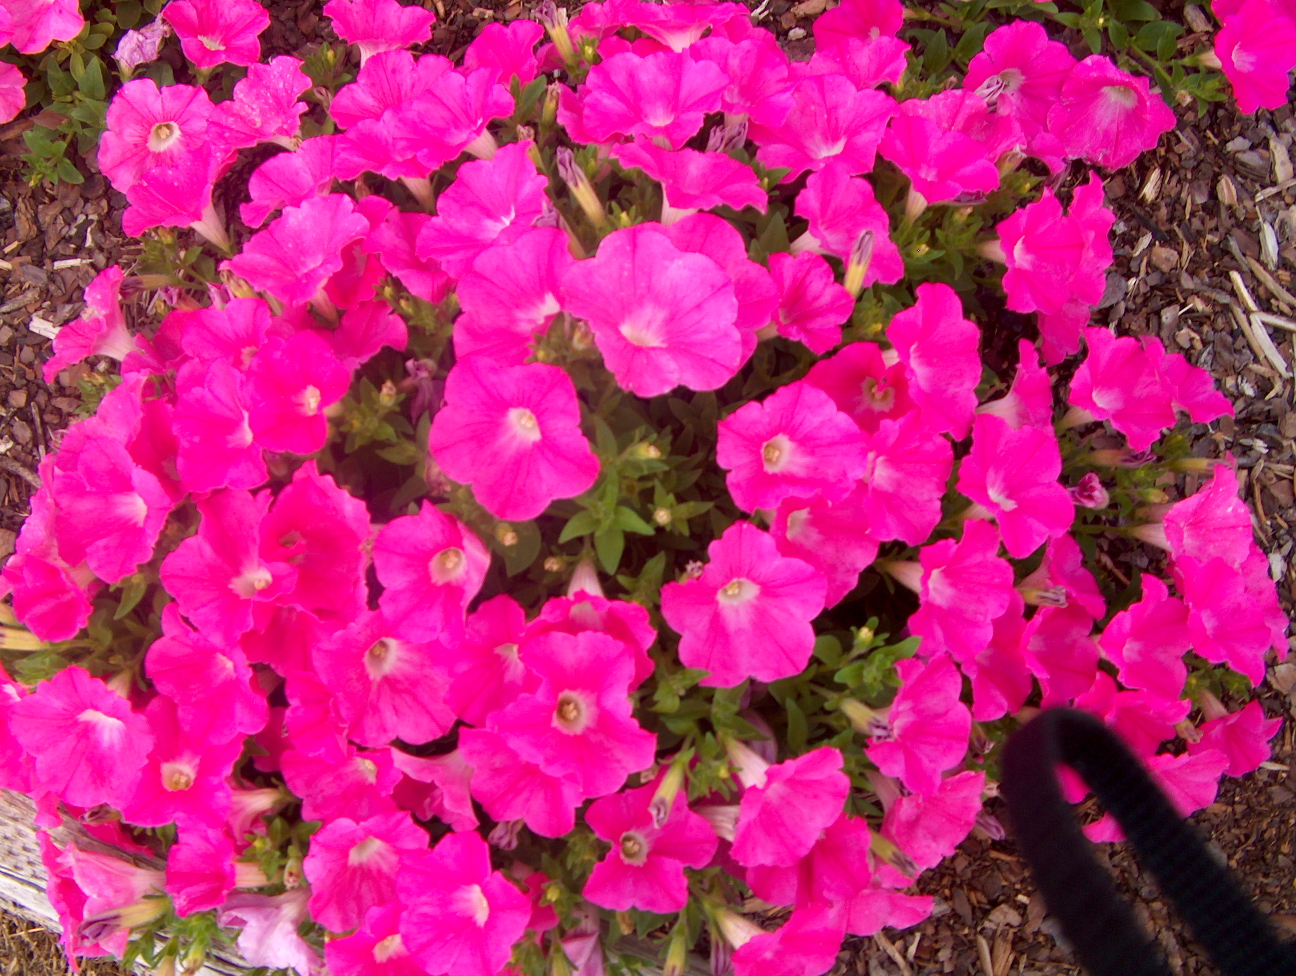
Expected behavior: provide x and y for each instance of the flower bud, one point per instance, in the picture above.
(668, 789)
(1044, 596)
(581, 188)
(19, 639)
(249, 875)
(866, 721)
(722, 817)
(647, 451)
(676, 952)
(886, 851)
(734, 928)
(505, 534)
(585, 578)
(1194, 465)
(102, 925)
(749, 767)
(1089, 492)
(293, 876)
(549, 110)
(861, 256)
(7, 615)
(504, 835)
(1117, 457)
(1153, 533)
(625, 923)
(662, 516)
(1212, 708)
(726, 137)
(554, 564)
(554, 20)
(907, 573)
(990, 824)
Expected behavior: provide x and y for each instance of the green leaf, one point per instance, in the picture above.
(1136, 10)
(609, 544)
(68, 173)
(1093, 37)
(76, 65)
(828, 649)
(90, 112)
(522, 553)
(797, 730)
(937, 54)
(94, 42)
(604, 439)
(128, 14)
(628, 520)
(59, 81)
(1118, 33)
(91, 81)
(582, 523)
(133, 589)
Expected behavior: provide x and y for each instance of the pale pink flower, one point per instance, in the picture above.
(485, 670)
(835, 539)
(840, 209)
(930, 827)
(379, 25)
(460, 916)
(663, 95)
(100, 330)
(1118, 381)
(216, 448)
(264, 107)
(511, 788)
(863, 385)
(431, 566)
(374, 949)
(269, 924)
(812, 307)
(749, 613)
(34, 26)
(150, 126)
(289, 384)
(352, 866)
(440, 123)
(141, 46)
(661, 317)
(578, 723)
(1243, 736)
(781, 816)
(13, 98)
(906, 470)
(926, 728)
(507, 49)
(1256, 48)
(1107, 116)
(938, 347)
(645, 867)
(213, 33)
(693, 180)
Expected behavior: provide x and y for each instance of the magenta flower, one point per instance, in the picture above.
(386, 81)
(930, 827)
(89, 747)
(812, 306)
(1029, 401)
(357, 785)
(645, 867)
(431, 566)
(780, 817)
(1106, 116)
(1060, 652)
(150, 126)
(858, 18)
(100, 331)
(367, 328)
(34, 26)
(661, 96)
(196, 674)
(485, 670)
(938, 347)
(179, 195)
(942, 164)
(862, 385)
(13, 97)
(211, 424)
(291, 259)
(1191, 389)
(214, 33)
(396, 240)
(678, 25)
(1148, 640)
(1243, 736)
(835, 539)
(374, 949)
(794, 443)
(1020, 72)
(1063, 578)
(868, 62)
(836, 869)
(1256, 48)
(352, 867)
(1013, 475)
(966, 112)
(492, 201)
(749, 613)
(48, 596)
(693, 180)
(1044, 252)
(264, 107)
(386, 688)
(269, 925)
(289, 384)
(806, 944)
(1212, 522)
(437, 787)
(831, 120)
(184, 780)
(906, 471)
(290, 179)
(583, 611)
(510, 296)
(1233, 612)
(661, 317)
(1118, 381)
(440, 123)
(510, 787)
(757, 68)
(460, 916)
(200, 870)
(840, 209)
(513, 433)
(379, 25)
(926, 728)
(577, 724)
(1143, 720)
(217, 575)
(233, 333)
(507, 49)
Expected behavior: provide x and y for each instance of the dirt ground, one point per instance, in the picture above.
(1205, 237)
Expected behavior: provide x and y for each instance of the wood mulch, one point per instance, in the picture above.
(1206, 236)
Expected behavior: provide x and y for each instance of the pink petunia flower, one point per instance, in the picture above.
(1118, 381)
(1020, 72)
(88, 745)
(352, 866)
(841, 209)
(812, 307)
(1243, 736)
(386, 81)
(862, 384)
(431, 566)
(211, 423)
(584, 611)
(930, 827)
(485, 670)
(786, 806)
(218, 575)
(1148, 640)
(1063, 578)
(396, 239)
(265, 107)
(748, 614)
(34, 26)
(233, 333)
(439, 787)
(1060, 652)
(679, 25)
(141, 46)
(807, 944)
(835, 539)
(941, 163)
(289, 384)
(858, 18)
(386, 688)
(794, 443)
(179, 195)
(289, 179)
(1044, 252)
(291, 259)
(269, 929)
(13, 97)
(578, 723)
(511, 788)
(1000, 674)
(513, 433)
(1256, 48)
(837, 868)
(437, 125)
(1013, 475)
(693, 180)
(1142, 719)
(1107, 116)
(358, 785)
(757, 68)
(906, 471)
(938, 347)
(1233, 612)
(379, 25)
(1212, 522)
(100, 330)
(661, 96)
(460, 916)
(200, 869)
(213, 33)
(150, 126)
(661, 317)
(1029, 401)
(926, 727)
(831, 120)
(869, 62)
(376, 948)
(507, 49)
(645, 867)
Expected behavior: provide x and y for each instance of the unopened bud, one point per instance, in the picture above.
(1153, 533)
(734, 928)
(582, 337)
(193, 960)
(1212, 708)
(647, 450)
(723, 818)
(387, 394)
(120, 683)
(693, 570)
(990, 824)
(726, 137)
(504, 835)
(585, 579)
(861, 257)
(992, 251)
(668, 789)
(249, 875)
(864, 720)
(1194, 465)
(549, 110)
(554, 20)
(906, 572)
(676, 952)
(581, 188)
(1044, 596)
(1117, 457)
(506, 535)
(293, 876)
(166, 967)
(915, 204)
(554, 564)
(884, 850)
(104, 924)
(625, 923)
(1187, 731)
(1089, 492)
(662, 516)
(749, 767)
(19, 639)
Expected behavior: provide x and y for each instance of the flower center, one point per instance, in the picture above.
(878, 397)
(796, 524)
(368, 769)
(1122, 96)
(310, 401)
(999, 495)
(389, 947)
(572, 714)
(473, 903)
(211, 43)
(365, 851)
(447, 565)
(737, 592)
(177, 777)
(507, 651)
(524, 424)
(644, 329)
(106, 724)
(634, 849)
(380, 659)
(776, 453)
(251, 582)
(163, 136)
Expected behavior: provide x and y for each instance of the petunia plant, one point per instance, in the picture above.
(583, 503)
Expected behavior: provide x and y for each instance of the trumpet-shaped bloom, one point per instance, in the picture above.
(379, 25)
(678, 25)
(836, 869)
(906, 470)
(927, 727)
(396, 239)
(352, 866)
(1107, 116)
(625, 621)
(748, 614)
(200, 870)
(645, 867)
(1013, 475)
(1029, 401)
(757, 69)
(386, 81)
(1000, 674)
(1256, 48)
(862, 385)
(840, 208)
(941, 163)
(507, 49)
(693, 180)
(806, 945)
(1143, 719)
(89, 747)
(858, 18)
(150, 126)
(1233, 612)
(830, 120)
(1213, 522)
(811, 305)
(868, 62)
(233, 333)
(269, 924)
(930, 827)
(1243, 736)
(513, 433)
(264, 108)
(34, 26)
(48, 596)
(938, 347)
(431, 566)
(780, 819)
(1118, 381)
(178, 195)
(1148, 640)
(218, 33)
(1020, 72)
(100, 331)
(661, 317)
(1044, 253)
(460, 916)
(290, 382)
(510, 787)
(835, 539)
(794, 443)
(356, 785)
(211, 424)
(1063, 577)
(1191, 389)
(1060, 652)
(290, 179)
(218, 575)
(437, 787)
(485, 670)
(663, 95)
(374, 949)
(440, 123)
(13, 98)
(577, 724)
